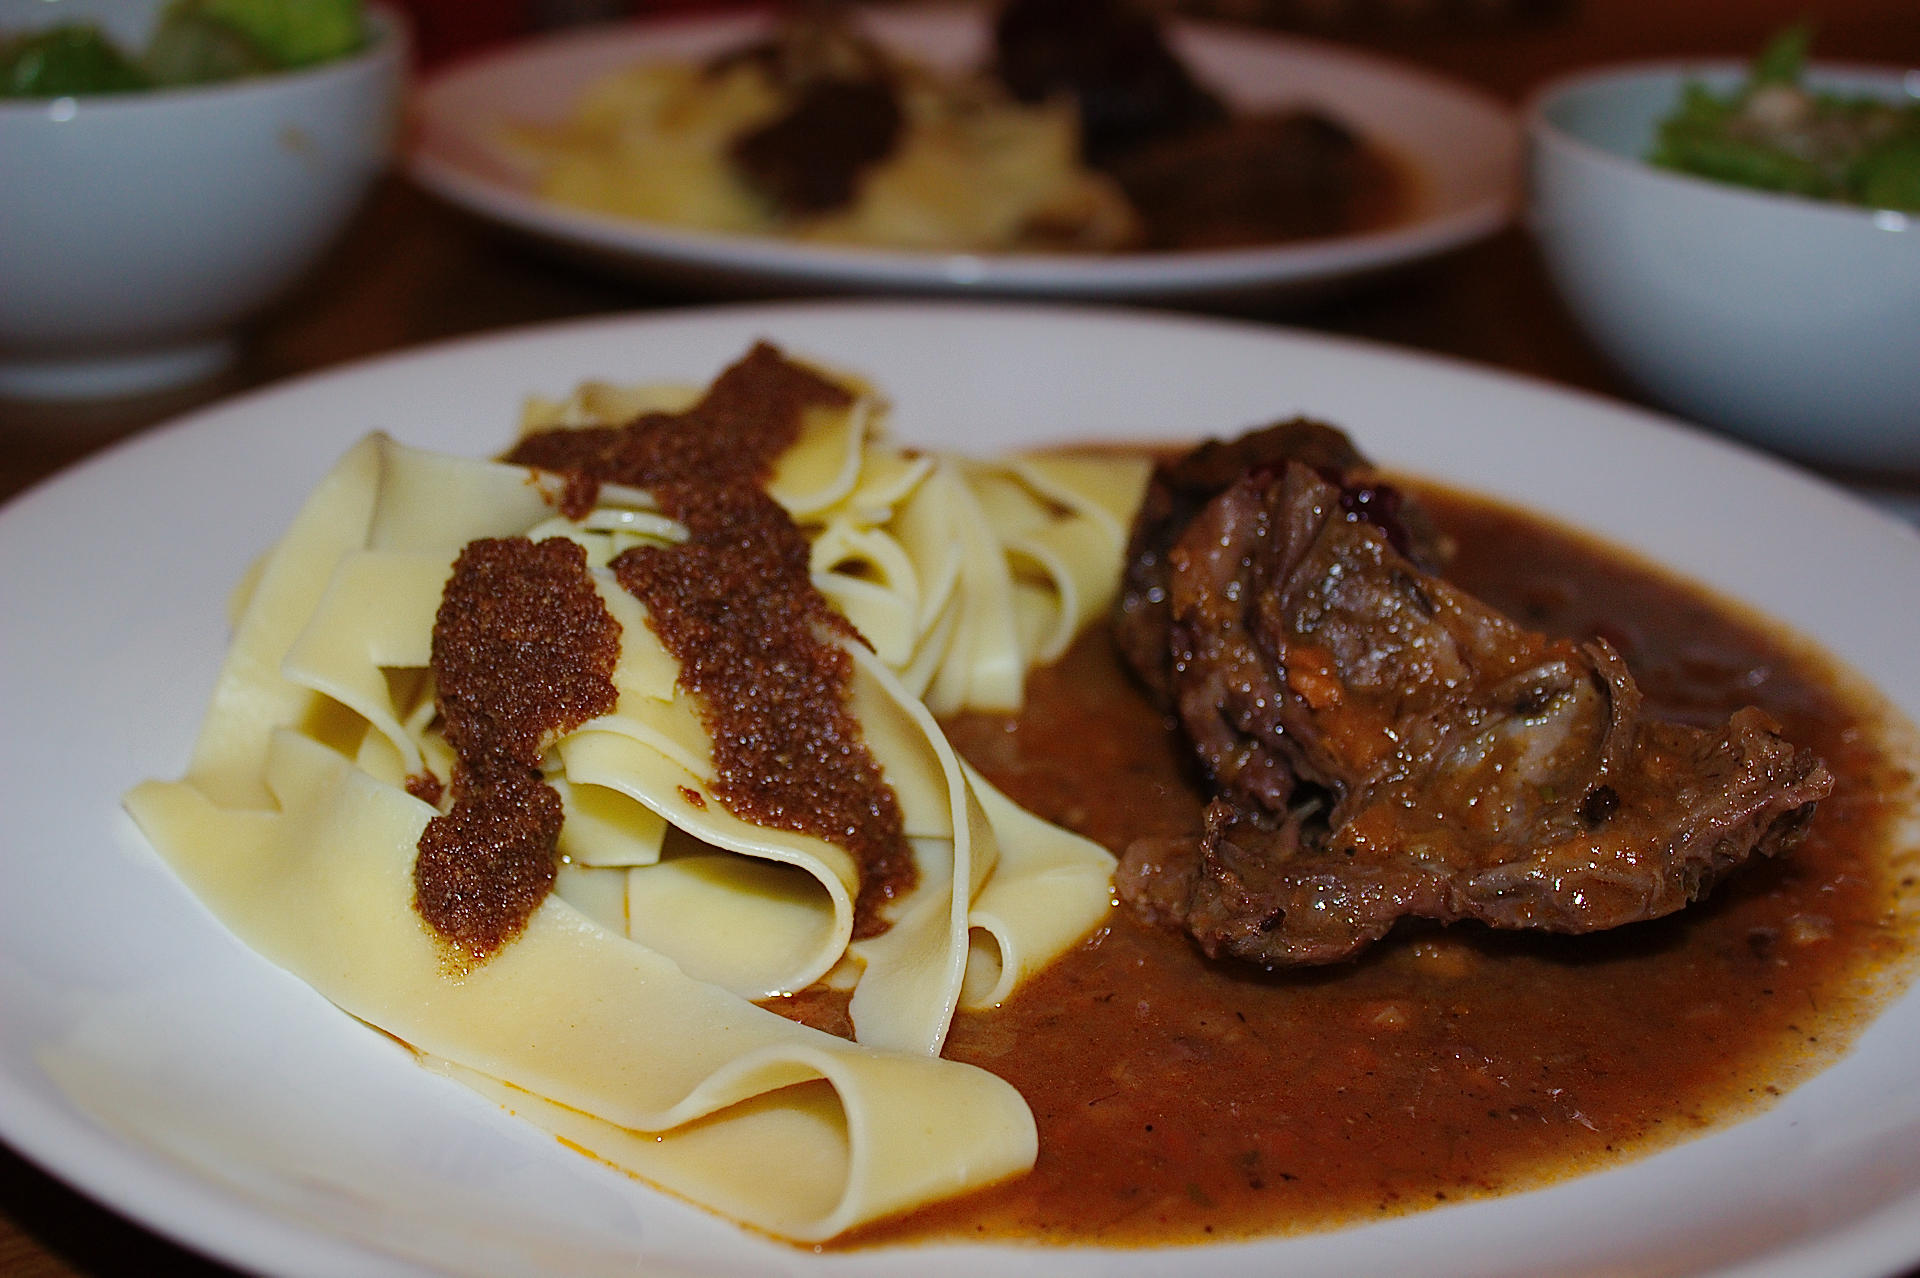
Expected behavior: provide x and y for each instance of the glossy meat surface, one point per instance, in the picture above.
(1382, 744)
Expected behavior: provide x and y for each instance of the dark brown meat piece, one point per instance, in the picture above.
(1384, 745)
(1259, 179)
(1179, 489)
(1111, 58)
(810, 159)
(842, 116)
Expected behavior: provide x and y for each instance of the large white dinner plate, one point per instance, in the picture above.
(1462, 146)
(152, 1060)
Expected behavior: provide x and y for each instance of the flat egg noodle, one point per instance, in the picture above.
(962, 574)
(1052, 559)
(653, 750)
(719, 932)
(583, 1019)
(251, 696)
(972, 178)
(984, 669)
(595, 402)
(313, 711)
(319, 878)
(1017, 925)
(870, 578)
(651, 142)
(825, 462)
(1057, 521)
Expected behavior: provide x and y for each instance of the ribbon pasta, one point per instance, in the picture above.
(623, 1017)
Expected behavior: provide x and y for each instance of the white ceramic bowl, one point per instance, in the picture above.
(1791, 321)
(137, 230)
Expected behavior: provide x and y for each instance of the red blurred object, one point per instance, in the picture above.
(446, 28)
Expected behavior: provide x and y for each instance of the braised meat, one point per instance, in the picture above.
(1112, 59)
(843, 114)
(1257, 179)
(1178, 491)
(1201, 175)
(810, 159)
(1384, 745)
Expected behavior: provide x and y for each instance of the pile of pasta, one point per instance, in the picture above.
(626, 1016)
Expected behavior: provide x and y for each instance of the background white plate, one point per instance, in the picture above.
(225, 1103)
(1463, 145)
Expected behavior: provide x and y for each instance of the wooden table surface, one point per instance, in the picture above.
(412, 271)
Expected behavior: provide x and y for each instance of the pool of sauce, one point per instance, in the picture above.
(1183, 1101)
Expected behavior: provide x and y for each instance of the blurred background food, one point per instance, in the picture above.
(819, 132)
(191, 42)
(1080, 129)
(1224, 166)
(1776, 131)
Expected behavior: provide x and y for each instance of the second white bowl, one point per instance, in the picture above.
(137, 229)
(1788, 320)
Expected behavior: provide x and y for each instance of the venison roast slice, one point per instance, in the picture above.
(1180, 488)
(1383, 745)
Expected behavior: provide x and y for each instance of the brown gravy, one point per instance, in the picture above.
(1181, 1101)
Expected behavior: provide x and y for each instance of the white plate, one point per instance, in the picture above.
(229, 1106)
(1463, 145)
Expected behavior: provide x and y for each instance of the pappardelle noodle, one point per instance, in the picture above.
(621, 1007)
